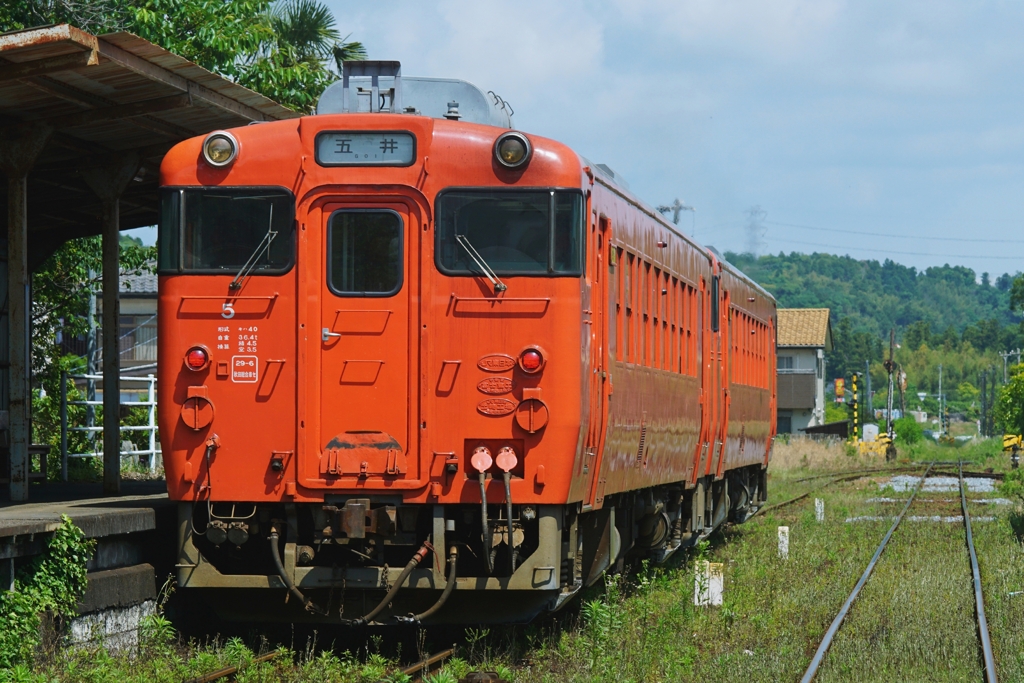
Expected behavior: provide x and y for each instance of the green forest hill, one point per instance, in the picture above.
(942, 315)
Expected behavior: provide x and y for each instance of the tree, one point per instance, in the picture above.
(1017, 295)
(293, 62)
(1009, 408)
(283, 50)
(917, 335)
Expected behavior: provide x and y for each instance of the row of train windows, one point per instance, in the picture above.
(657, 317)
(751, 350)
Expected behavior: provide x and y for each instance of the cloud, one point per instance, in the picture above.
(899, 116)
(778, 30)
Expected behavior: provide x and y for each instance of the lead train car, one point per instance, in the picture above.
(367, 319)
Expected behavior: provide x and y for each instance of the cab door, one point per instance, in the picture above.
(366, 360)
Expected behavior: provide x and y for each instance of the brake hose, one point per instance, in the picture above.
(507, 476)
(485, 524)
(412, 564)
(453, 557)
(275, 553)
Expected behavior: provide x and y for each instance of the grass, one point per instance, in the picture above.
(914, 620)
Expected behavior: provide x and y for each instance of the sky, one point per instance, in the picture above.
(874, 129)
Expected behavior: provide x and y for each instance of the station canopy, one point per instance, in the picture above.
(106, 96)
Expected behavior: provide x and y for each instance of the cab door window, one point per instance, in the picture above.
(364, 252)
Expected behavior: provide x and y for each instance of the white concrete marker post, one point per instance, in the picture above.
(784, 542)
(707, 583)
(819, 509)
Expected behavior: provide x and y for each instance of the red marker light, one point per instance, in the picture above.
(531, 360)
(196, 358)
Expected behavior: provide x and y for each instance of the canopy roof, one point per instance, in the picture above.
(104, 96)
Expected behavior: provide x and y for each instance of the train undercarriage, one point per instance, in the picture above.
(371, 559)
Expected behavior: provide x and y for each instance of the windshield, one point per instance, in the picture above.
(515, 232)
(219, 230)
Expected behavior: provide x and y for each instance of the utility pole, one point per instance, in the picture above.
(992, 403)
(867, 388)
(983, 427)
(675, 208)
(901, 382)
(1006, 356)
(942, 413)
(856, 408)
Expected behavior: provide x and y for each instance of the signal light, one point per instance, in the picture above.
(512, 150)
(197, 358)
(531, 360)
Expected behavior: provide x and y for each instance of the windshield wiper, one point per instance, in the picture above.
(463, 241)
(261, 248)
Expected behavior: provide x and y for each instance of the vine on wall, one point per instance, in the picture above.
(53, 582)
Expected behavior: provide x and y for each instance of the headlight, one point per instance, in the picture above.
(220, 148)
(512, 150)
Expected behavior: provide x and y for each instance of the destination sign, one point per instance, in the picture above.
(365, 149)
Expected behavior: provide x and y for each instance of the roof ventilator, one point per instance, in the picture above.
(378, 97)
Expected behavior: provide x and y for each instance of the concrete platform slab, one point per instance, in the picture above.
(96, 515)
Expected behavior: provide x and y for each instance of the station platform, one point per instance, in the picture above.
(134, 534)
(135, 510)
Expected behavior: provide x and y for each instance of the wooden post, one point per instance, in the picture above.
(19, 147)
(111, 353)
(108, 181)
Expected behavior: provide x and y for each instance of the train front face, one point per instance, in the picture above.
(367, 320)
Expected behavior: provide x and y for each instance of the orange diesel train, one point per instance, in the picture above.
(417, 365)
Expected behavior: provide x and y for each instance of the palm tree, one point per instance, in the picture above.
(306, 33)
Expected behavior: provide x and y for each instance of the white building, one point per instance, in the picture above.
(804, 335)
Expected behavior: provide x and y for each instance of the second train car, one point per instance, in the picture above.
(415, 364)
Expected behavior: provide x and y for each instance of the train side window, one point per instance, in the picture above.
(620, 303)
(714, 304)
(364, 253)
(627, 302)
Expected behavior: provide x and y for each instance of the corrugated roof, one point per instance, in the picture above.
(804, 327)
(104, 96)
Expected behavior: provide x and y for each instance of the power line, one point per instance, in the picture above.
(901, 253)
(891, 235)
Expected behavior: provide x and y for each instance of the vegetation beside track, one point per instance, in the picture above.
(914, 619)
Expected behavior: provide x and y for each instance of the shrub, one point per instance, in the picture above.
(908, 431)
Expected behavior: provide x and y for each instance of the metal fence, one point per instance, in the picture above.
(153, 452)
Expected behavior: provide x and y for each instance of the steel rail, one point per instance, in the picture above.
(979, 601)
(797, 499)
(819, 655)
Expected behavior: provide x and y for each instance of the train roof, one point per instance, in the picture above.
(615, 182)
(376, 86)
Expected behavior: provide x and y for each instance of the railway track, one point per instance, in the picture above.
(852, 475)
(984, 641)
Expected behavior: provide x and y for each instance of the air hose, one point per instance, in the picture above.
(453, 557)
(507, 476)
(412, 564)
(275, 553)
(485, 524)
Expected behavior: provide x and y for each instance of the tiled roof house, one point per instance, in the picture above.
(803, 337)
